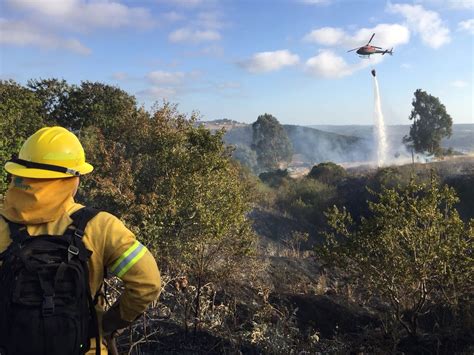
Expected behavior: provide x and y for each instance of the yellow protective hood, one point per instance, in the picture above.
(36, 201)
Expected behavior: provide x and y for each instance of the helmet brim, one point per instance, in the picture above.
(23, 171)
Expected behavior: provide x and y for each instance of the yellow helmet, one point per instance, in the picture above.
(50, 153)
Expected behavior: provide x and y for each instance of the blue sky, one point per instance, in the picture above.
(238, 59)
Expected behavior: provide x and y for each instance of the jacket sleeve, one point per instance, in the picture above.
(131, 261)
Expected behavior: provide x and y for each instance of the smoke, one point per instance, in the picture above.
(349, 146)
(314, 146)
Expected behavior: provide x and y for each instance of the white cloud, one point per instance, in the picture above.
(459, 83)
(167, 84)
(406, 66)
(329, 65)
(19, 33)
(204, 27)
(193, 36)
(269, 61)
(328, 36)
(386, 35)
(467, 25)
(425, 22)
(82, 15)
(160, 77)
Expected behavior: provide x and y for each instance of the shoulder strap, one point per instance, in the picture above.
(18, 232)
(81, 217)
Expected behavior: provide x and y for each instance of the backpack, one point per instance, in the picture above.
(46, 306)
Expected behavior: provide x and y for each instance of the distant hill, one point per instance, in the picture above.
(462, 139)
(317, 146)
(339, 144)
(310, 145)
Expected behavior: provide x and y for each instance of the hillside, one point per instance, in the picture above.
(461, 140)
(316, 145)
(310, 145)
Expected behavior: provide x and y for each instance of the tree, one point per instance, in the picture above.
(328, 173)
(20, 116)
(90, 104)
(173, 183)
(271, 143)
(414, 253)
(431, 123)
(176, 185)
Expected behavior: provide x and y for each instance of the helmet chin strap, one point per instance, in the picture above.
(50, 167)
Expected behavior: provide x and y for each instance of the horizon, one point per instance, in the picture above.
(323, 124)
(239, 59)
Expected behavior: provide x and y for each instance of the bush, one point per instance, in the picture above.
(328, 173)
(274, 178)
(414, 253)
(306, 200)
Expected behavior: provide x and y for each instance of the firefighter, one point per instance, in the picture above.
(44, 180)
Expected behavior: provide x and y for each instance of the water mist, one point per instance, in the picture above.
(379, 131)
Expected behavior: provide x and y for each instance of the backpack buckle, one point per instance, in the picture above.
(73, 250)
(78, 233)
(48, 306)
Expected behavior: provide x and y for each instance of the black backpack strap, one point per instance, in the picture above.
(18, 234)
(81, 217)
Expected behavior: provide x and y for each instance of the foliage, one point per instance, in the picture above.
(328, 173)
(431, 123)
(173, 183)
(305, 200)
(270, 142)
(246, 156)
(414, 253)
(90, 104)
(21, 116)
(295, 242)
(274, 178)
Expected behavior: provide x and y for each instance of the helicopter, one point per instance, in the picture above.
(368, 50)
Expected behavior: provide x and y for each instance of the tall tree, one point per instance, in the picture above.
(431, 123)
(271, 143)
(90, 104)
(20, 116)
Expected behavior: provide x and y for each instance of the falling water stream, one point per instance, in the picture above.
(379, 132)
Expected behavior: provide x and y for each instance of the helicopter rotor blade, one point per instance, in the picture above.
(370, 40)
(377, 47)
(353, 49)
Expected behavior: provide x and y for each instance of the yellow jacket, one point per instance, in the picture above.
(44, 205)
